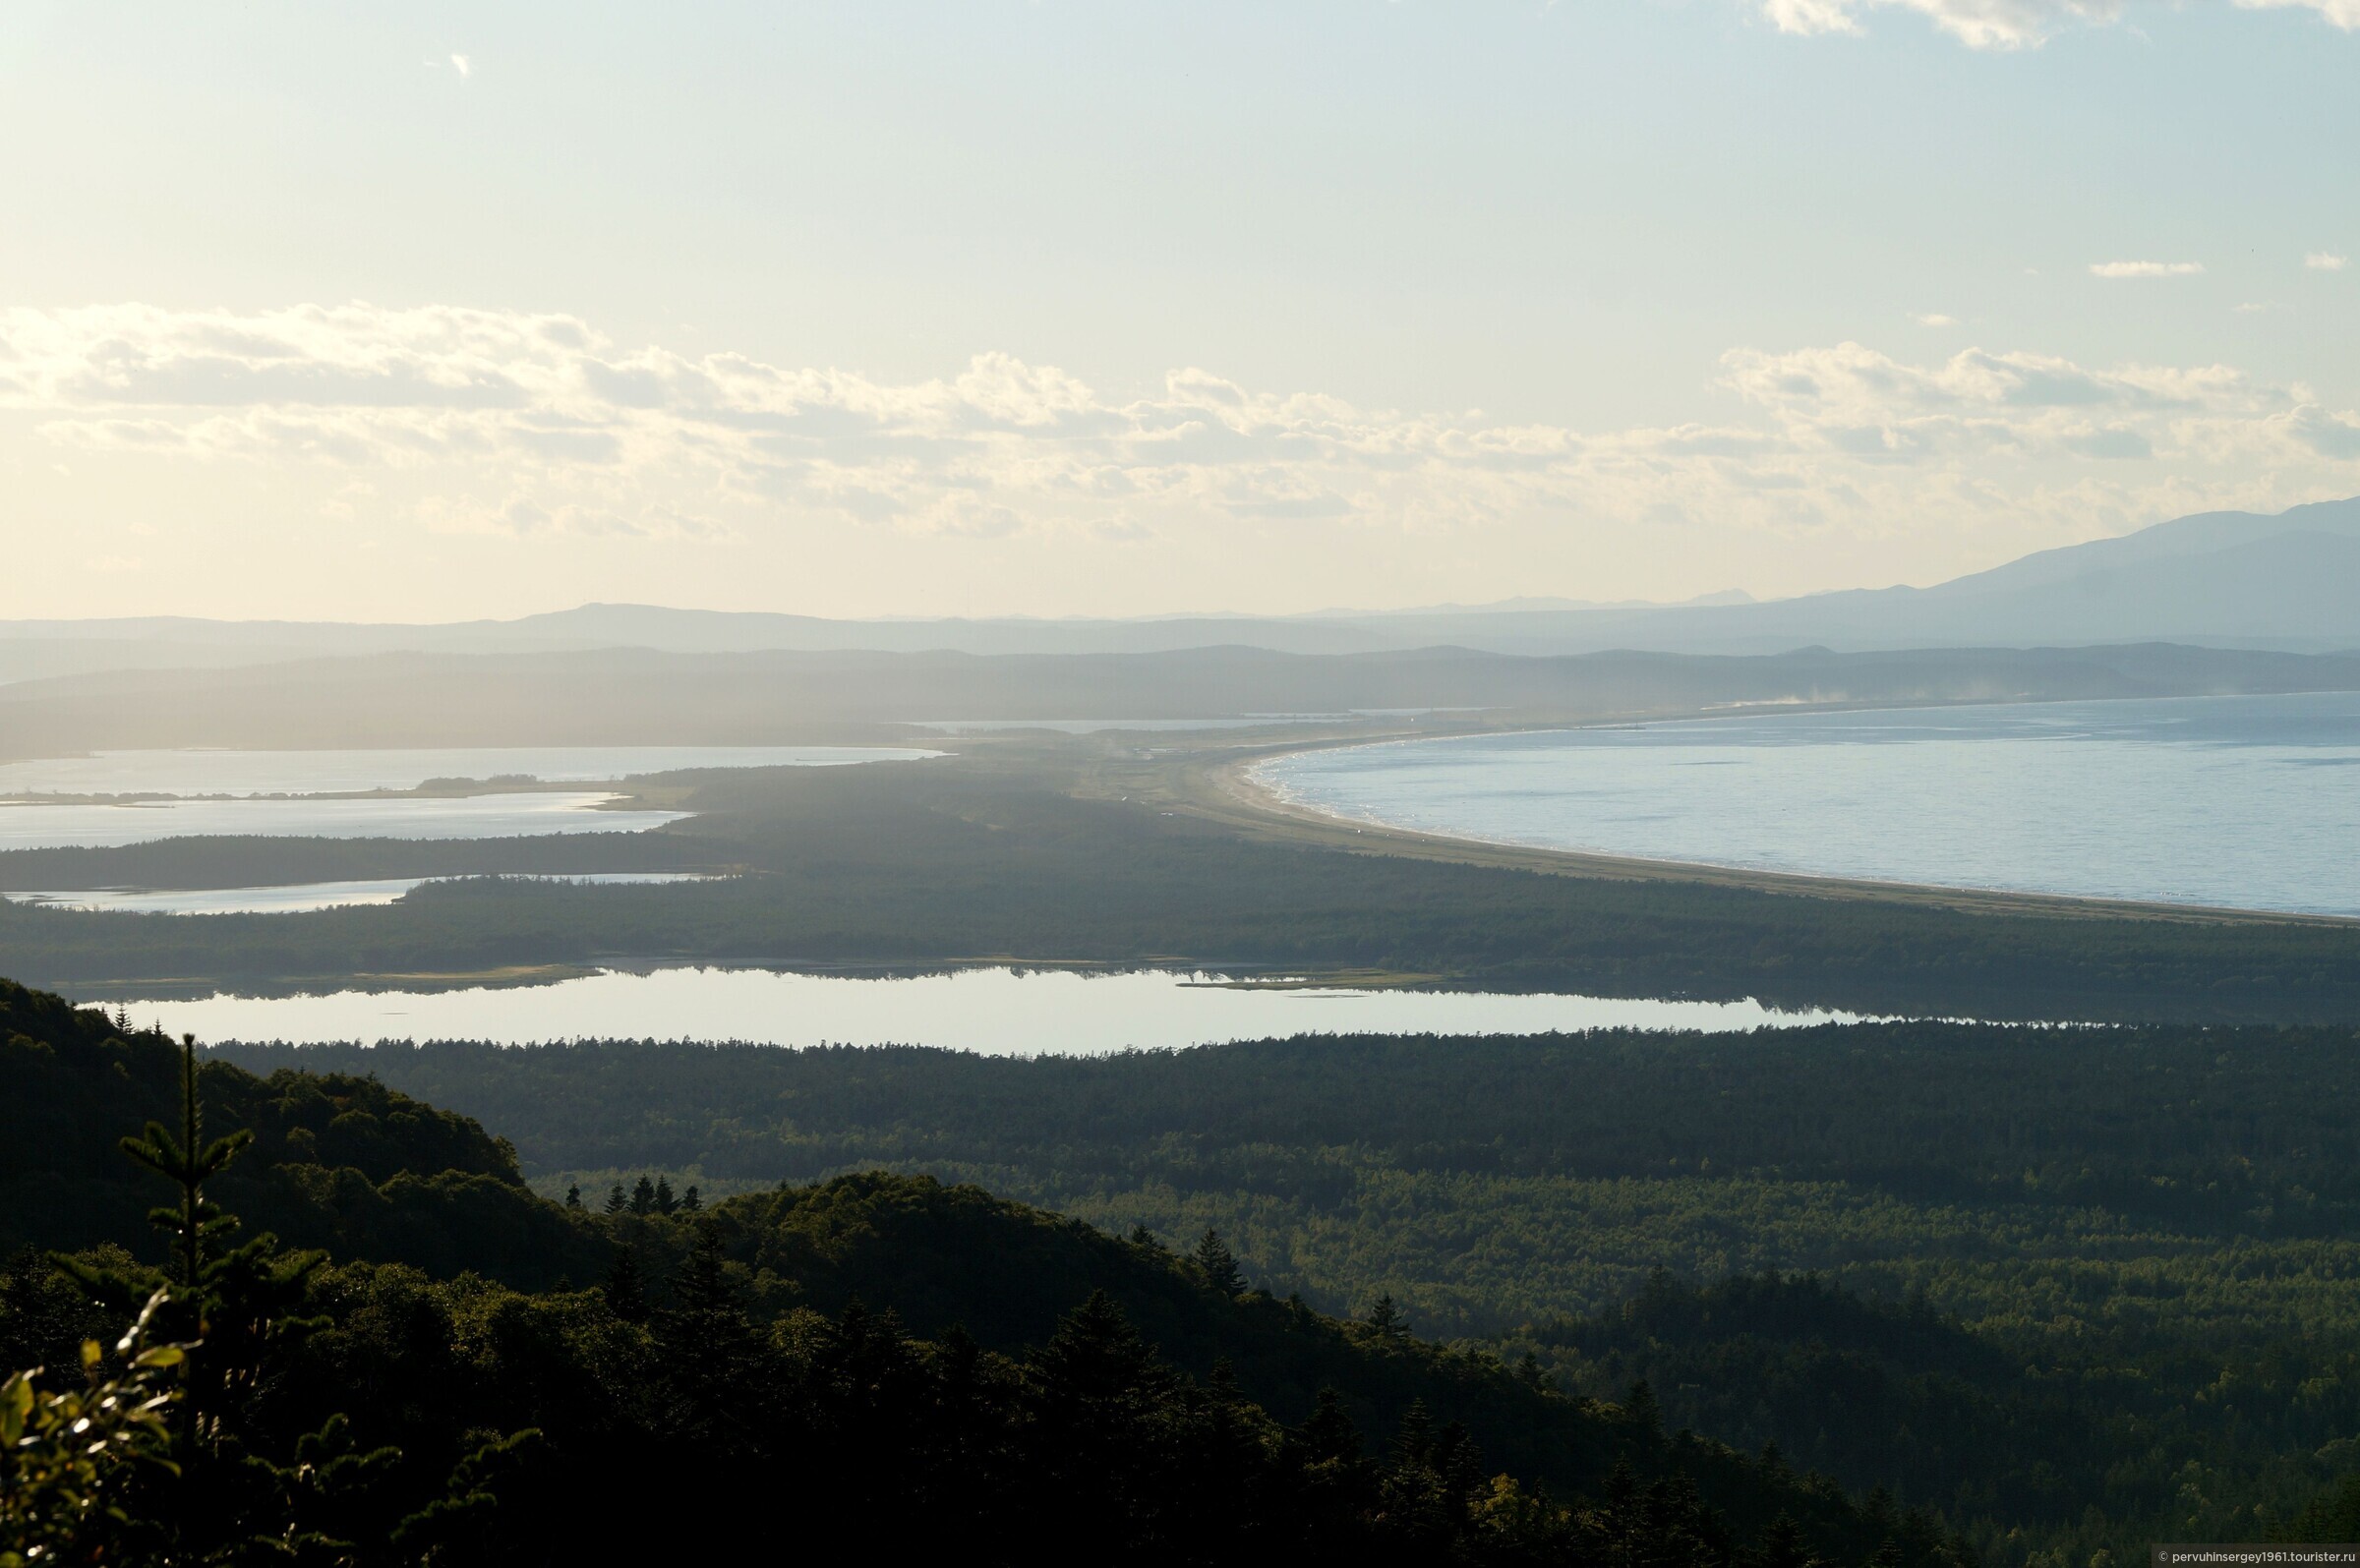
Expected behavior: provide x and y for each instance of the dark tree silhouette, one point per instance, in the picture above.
(1214, 1261)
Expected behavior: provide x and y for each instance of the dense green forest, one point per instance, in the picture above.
(339, 1162)
(1010, 854)
(658, 1378)
(2010, 1294)
(2084, 1285)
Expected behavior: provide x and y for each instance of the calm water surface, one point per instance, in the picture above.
(302, 897)
(504, 816)
(250, 773)
(1085, 726)
(2247, 802)
(290, 793)
(1001, 1012)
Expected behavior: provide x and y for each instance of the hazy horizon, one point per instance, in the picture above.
(1058, 312)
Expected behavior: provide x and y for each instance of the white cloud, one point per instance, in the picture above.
(1849, 381)
(1934, 319)
(2003, 24)
(2344, 14)
(520, 516)
(459, 63)
(1977, 24)
(537, 428)
(2325, 262)
(2145, 268)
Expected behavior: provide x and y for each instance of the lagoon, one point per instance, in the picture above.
(304, 896)
(525, 814)
(207, 772)
(1001, 1012)
(113, 799)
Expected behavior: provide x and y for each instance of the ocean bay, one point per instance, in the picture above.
(2237, 802)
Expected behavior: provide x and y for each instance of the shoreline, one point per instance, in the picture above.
(1204, 974)
(1225, 790)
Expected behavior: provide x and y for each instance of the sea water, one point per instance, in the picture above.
(2241, 802)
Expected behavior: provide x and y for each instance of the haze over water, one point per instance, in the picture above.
(2242, 802)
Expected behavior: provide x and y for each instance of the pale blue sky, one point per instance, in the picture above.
(1489, 299)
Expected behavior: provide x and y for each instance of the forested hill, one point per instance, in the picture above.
(2227, 1130)
(953, 1262)
(885, 1343)
(340, 1162)
(2062, 1270)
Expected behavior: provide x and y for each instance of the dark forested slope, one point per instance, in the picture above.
(928, 1356)
(2097, 1282)
(2074, 1263)
(2245, 1130)
(341, 1162)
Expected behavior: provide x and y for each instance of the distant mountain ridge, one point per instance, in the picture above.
(2198, 534)
(2221, 579)
(2234, 579)
(638, 697)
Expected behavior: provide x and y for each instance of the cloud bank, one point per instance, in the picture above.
(536, 425)
(2005, 23)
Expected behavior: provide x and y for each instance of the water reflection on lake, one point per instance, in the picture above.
(528, 815)
(303, 897)
(306, 794)
(996, 1011)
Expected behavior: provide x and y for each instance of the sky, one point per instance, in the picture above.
(440, 312)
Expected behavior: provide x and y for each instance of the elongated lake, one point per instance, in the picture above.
(206, 772)
(521, 814)
(305, 897)
(998, 1010)
(2242, 802)
(165, 794)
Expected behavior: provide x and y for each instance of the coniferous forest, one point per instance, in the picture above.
(462, 1371)
(1797, 1297)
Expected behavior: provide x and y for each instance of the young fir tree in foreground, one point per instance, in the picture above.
(186, 1464)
